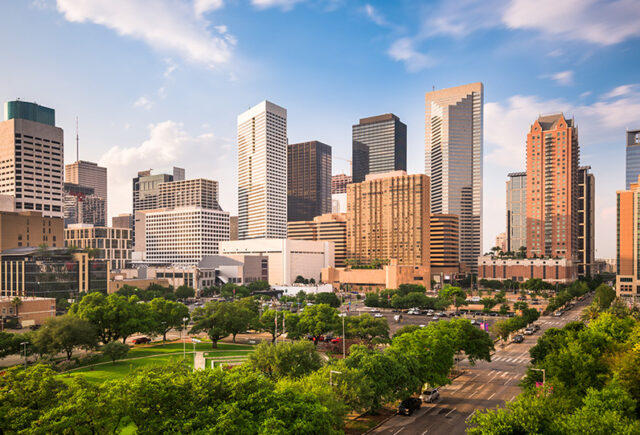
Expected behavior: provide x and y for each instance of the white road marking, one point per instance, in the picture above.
(474, 411)
(504, 374)
(509, 360)
(447, 415)
(491, 372)
(491, 396)
(425, 431)
(398, 431)
(512, 398)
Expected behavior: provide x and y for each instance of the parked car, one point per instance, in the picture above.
(442, 314)
(435, 318)
(142, 340)
(475, 322)
(518, 338)
(536, 327)
(558, 313)
(408, 406)
(378, 315)
(375, 310)
(475, 299)
(430, 395)
(529, 331)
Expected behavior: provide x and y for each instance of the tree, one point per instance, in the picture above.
(299, 279)
(268, 323)
(502, 329)
(166, 315)
(328, 298)
(318, 320)
(65, 333)
(115, 350)
(185, 292)
(258, 285)
(212, 319)
(239, 316)
(406, 330)
(367, 327)
(9, 343)
(16, 302)
(285, 359)
(590, 313)
(454, 295)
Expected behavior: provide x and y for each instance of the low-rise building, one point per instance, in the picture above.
(551, 270)
(29, 312)
(110, 244)
(287, 258)
(30, 228)
(50, 272)
(391, 276)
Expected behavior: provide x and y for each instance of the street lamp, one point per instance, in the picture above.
(194, 341)
(344, 349)
(184, 341)
(24, 344)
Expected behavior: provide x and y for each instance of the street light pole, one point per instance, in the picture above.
(344, 348)
(24, 345)
(184, 340)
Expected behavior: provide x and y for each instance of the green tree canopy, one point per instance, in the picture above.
(185, 292)
(318, 320)
(64, 334)
(166, 315)
(115, 350)
(285, 359)
(328, 298)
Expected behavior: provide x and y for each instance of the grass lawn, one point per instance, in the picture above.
(155, 354)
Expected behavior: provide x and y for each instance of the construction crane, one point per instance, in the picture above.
(346, 160)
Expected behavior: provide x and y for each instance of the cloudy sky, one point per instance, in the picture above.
(157, 83)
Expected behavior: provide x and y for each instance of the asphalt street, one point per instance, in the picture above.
(485, 385)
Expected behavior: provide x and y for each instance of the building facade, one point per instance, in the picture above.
(262, 172)
(553, 154)
(627, 245)
(444, 240)
(31, 158)
(388, 218)
(516, 211)
(89, 174)
(391, 275)
(558, 270)
(146, 187)
(633, 157)
(453, 160)
(198, 192)
(329, 227)
(123, 220)
(308, 180)
(182, 235)
(501, 241)
(30, 229)
(82, 206)
(379, 145)
(287, 259)
(339, 183)
(586, 221)
(112, 245)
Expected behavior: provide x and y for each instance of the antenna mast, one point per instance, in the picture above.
(77, 142)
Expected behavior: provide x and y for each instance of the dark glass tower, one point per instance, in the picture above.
(633, 157)
(308, 180)
(379, 145)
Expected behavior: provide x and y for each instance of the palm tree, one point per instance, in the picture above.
(590, 313)
(16, 302)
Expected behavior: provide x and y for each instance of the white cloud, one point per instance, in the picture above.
(285, 5)
(375, 16)
(599, 22)
(143, 102)
(585, 94)
(203, 6)
(171, 67)
(169, 26)
(564, 78)
(622, 90)
(404, 50)
(169, 144)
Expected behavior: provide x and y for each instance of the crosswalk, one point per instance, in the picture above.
(554, 323)
(511, 359)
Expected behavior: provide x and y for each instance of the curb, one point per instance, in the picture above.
(381, 423)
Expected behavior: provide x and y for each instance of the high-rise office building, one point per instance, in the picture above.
(388, 218)
(308, 180)
(453, 160)
(633, 156)
(330, 227)
(553, 154)
(516, 211)
(146, 187)
(339, 183)
(501, 241)
(123, 220)
(112, 245)
(199, 192)
(379, 145)
(29, 229)
(444, 236)
(82, 206)
(89, 174)
(31, 158)
(262, 172)
(586, 221)
(628, 243)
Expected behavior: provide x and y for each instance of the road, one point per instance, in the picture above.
(485, 385)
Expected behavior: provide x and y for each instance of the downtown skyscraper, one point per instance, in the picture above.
(262, 172)
(309, 180)
(453, 160)
(379, 145)
(633, 157)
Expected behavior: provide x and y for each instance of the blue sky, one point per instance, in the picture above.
(158, 83)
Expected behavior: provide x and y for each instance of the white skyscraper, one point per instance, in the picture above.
(453, 160)
(262, 172)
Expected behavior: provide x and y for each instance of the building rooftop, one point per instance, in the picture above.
(30, 111)
(213, 261)
(378, 118)
(548, 122)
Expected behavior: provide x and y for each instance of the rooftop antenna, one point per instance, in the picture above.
(433, 88)
(77, 142)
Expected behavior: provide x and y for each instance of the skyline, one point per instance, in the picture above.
(164, 103)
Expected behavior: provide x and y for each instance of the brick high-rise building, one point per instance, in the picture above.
(552, 187)
(388, 218)
(339, 183)
(328, 227)
(31, 158)
(89, 174)
(262, 172)
(379, 145)
(308, 180)
(453, 160)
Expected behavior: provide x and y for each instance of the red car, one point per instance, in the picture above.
(142, 340)
(336, 340)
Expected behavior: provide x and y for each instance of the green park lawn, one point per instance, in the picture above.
(141, 356)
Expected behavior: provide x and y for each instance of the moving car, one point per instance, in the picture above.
(536, 327)
(518, 338)
(558, 313)
(142, 340)
(408, 406)
(430, 395)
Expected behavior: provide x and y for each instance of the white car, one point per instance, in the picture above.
(430, 395)
(377, 315)
(475, 299)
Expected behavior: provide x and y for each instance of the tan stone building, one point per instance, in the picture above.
(389, 276)
(198, 192)
(444, 239)
(551, 270)
(388, 218)
(30, 228)
(330, 227)
(113, 244)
